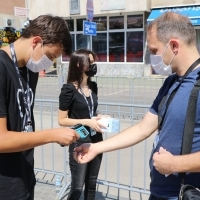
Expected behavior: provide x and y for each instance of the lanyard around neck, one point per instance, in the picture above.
(91, 111)
(26, 98)
(172, 94)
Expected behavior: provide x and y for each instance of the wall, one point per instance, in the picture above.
(7, 11)
(163, 3)
(7, 7)
(61, 8)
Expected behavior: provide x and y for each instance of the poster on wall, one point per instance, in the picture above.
(8, 35)
(112, 5)
(74, 7)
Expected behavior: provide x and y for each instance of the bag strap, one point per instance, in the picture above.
(190, 122)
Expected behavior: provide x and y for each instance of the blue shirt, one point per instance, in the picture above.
(170, 136)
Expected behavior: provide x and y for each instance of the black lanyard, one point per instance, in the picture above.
(172, 94)
(26, 98)
(91, 111)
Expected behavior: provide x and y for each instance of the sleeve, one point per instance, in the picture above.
(3, 91)
(94, 87)
(66, 97)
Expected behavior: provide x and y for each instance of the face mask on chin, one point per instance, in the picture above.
(92, 70)
(159, 66)
(42, 64)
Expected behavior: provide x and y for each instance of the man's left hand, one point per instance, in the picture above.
(163, 161)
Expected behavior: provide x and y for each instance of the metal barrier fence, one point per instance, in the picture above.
(120, 90)
(126, 170)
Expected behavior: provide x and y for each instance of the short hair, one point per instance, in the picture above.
(52, 30)
(173, 25)
(80, 57)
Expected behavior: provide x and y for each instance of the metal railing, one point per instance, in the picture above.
(110, 89)
(125, 169)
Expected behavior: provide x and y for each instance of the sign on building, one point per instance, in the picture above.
(90, 10)
(74, 7)
(89, 28)
(20, 11)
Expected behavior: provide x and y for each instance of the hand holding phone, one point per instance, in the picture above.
(81, 130)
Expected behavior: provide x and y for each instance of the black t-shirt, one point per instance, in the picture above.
(71, 99)
(16, 169)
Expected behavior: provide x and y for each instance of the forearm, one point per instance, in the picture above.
(19, 141)
(130, 136)
(71, 122)
(126, 138)
(186, 163)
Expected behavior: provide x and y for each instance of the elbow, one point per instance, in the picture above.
(60, 122)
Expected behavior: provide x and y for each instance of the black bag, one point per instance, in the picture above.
(188, 192)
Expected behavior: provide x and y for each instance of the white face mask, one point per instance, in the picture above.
(159, 66)
(42, 64)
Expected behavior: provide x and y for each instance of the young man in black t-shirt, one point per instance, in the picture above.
(41, 42)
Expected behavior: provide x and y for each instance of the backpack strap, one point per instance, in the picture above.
(161, 118)
(190, 119)
(190, 122)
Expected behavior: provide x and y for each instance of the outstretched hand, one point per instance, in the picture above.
(85, 153)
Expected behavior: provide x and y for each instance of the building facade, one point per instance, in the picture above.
(120, 37)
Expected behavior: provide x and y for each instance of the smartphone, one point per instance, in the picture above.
(81, 130)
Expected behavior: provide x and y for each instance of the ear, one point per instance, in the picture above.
(36, 41)
(174, 45)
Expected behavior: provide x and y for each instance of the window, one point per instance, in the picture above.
(79, 24)
(134, 43)
(134, 21)
(70, 24)
(101, 23)
(99, 46)
(116, 22)
(119, 38)
(81, 41)
(116, 47)
(66, 58)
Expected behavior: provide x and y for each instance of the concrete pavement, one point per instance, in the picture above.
(47, 192)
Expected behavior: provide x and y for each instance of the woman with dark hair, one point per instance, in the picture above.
(78, 105)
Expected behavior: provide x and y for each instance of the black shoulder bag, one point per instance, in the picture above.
(188, 192)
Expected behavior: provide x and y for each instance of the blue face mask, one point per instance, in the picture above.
(159, 66)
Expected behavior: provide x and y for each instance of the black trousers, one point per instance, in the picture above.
(84, 173)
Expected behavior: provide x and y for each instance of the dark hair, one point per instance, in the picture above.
(78, 60)
(52, 30)
(173, 25)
